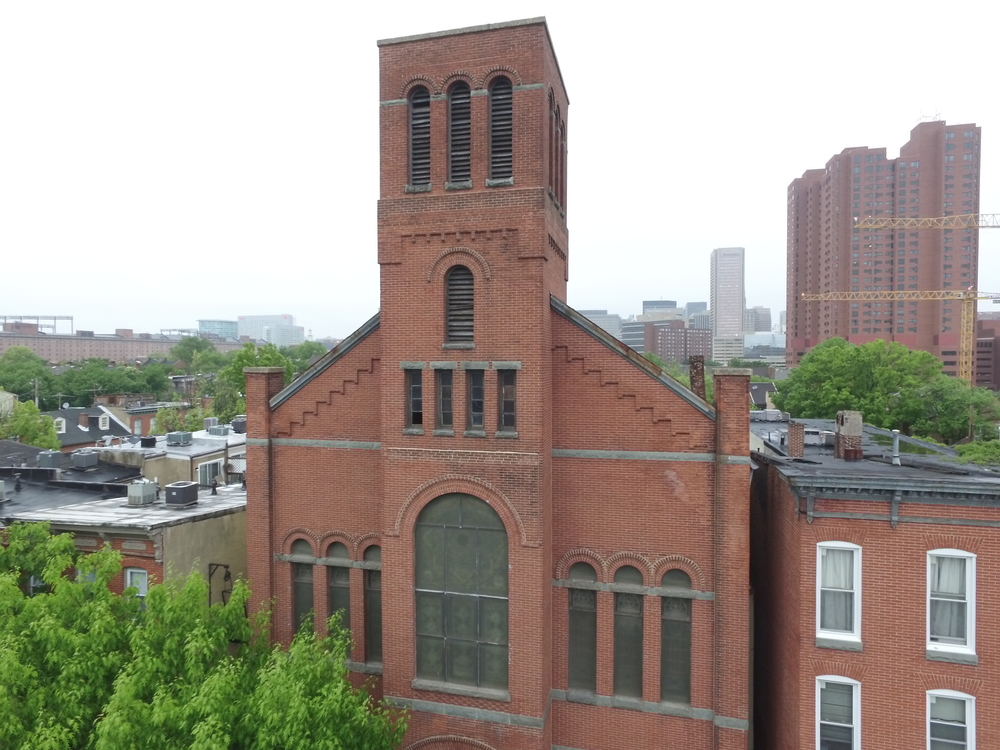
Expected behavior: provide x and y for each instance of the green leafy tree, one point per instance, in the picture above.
(29, 426)
(208, 361)
(188, 348)
(19, 368)
(980, 452)
(83, 381)
(300, 355)
(673, 369)
(230, 384)
(173, 419)
(156, 380)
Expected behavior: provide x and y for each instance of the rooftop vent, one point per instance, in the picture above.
(148, 441)
(3, 491)
(240, 424)
(182, 494)
(178, 438)
(50, 459)
(141, 493)
(218, 429)
(84, 460)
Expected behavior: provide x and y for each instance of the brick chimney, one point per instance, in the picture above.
(84, 419)
(697, 375)
(796, 439)
(847, 436)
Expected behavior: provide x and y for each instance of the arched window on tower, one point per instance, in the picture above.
(628, 632)
(338, 583)
(461, 593)
(582, 629)
(459, 304)
(459, 133)
(302, 583)
(675, 639)
(420, 137)
(501, 129)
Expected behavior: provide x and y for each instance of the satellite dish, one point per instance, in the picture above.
(65, 405)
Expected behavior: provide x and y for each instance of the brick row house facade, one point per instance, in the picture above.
(537, 539)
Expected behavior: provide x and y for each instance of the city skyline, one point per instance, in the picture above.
(225, 165)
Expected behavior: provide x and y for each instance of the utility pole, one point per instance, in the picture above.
(36, 393)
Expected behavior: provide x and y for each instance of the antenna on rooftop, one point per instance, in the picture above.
(929, 118)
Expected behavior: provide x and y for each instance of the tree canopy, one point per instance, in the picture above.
(892, 386)
(29, 426)
(19, 367)
(230, 385)
(83, 668)
(188, 348)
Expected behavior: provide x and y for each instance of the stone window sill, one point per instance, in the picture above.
(460, 185)
(953, 657)
(506, 434)
(840, 644)
(467, 690)
(458, 345)
(444, 433)
(413, 431)
(500, 183)
(475, 433)
(374, 667)
(417, 188)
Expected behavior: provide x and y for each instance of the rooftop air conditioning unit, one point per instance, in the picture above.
(141, 493)
(240, 425)
(147, 441)
(178, 438)
(3, 491)
(50, 459)
(219, 429)
(84, 459)
(182, 494)
(210, 422)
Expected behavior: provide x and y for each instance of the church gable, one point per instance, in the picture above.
(337, 398)
(605, 401)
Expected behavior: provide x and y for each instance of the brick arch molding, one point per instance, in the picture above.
(580, 554)
(448, 742)
(466, 253)
(679, 562)
(501, 70)
(469, 485)
(337, 536)
(634, 559)
(458, 75)
(299, 533)
(427, 81)
(365, 541)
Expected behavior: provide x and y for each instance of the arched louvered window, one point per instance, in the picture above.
(420, 136)
(459, 133)
(302, 583)
(501, 129)
(675, 639)
(582, 629)
(459, 304)
(552, 144)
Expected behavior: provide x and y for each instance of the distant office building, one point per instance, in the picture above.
(781, 322)
(279, 330)
(761, 319)
(766, 346)
(701, 320)
(727, 303)
(936, 174)
(674, 342)
(694, 307)
(651, 307)
(224, 329)
(634, 335)
(610, 322)
(748, 321)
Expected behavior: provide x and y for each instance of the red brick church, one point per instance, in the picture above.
(537, 539)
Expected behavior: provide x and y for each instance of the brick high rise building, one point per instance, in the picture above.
(936, 174)
(537, 538)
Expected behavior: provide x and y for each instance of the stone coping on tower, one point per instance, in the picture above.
(465, 30)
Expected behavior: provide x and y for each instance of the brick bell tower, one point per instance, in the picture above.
(472, 242)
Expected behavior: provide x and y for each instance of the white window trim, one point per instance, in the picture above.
(970, 714)
(217, 461)
(855, 634)
(856, 705)
(104, 422)
(142, 591)
(970, 603)
(60, 425)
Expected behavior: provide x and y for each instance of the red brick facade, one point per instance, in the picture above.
(610, 463)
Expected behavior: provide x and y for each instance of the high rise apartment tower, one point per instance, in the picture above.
(728, 303)
(936, 174)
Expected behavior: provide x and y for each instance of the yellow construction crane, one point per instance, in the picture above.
(967, 334)
(959, 221)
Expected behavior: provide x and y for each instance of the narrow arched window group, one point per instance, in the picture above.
(338, 564)
(629, 638)
(500, 135)
(557, 153)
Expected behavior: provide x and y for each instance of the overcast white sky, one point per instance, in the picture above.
(164, 162)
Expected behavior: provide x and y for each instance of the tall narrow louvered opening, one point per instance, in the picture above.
(459, 304)
(501, 129)
(459, 133)
(420, 136)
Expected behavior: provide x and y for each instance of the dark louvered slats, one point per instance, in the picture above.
(501, 129)
(420, 136)
(460, 134)
(459, 304)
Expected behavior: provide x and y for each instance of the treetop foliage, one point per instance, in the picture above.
(82, 668)
(892, 386)
(29, 426)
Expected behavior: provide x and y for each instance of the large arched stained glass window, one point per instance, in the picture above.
(461, 593)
